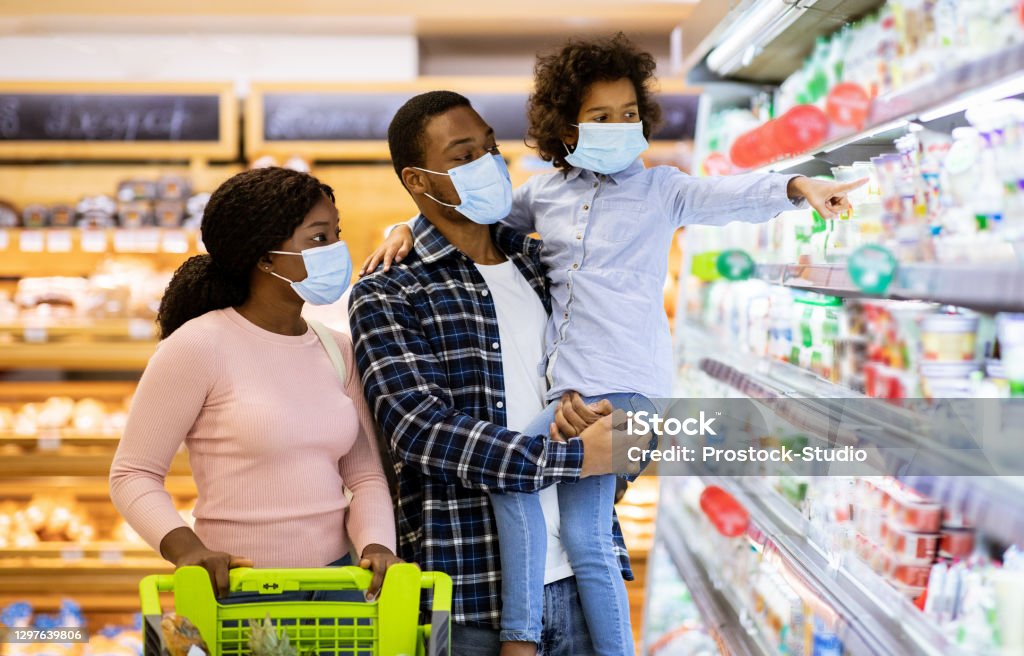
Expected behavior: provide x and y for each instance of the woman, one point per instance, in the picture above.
(283, 453)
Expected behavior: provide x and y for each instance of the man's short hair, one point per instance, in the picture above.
(405, 134)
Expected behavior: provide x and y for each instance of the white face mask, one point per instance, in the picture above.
(328, 273)
(607, 147)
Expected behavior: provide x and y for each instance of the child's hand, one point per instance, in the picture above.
(573, 416)
(394, 249)
(829, 198)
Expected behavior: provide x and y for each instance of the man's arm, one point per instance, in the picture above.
(406, 386)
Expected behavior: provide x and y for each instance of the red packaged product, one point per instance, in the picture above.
(911, 575)
(956, 542)
(916, 514)
(912, 547)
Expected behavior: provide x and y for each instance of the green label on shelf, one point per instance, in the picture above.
(872, 268)
(735, 264)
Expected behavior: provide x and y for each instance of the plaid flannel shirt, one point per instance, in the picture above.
(427, 344)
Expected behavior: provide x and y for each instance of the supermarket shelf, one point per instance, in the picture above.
(719, 608)
(73, 551)
(108, 356)
(16, 392)
(81, 487)
(50, 440)
(890, 113)
(98, 329)
(984, 288)
(987, 500)
(875, 620)
(60, 463)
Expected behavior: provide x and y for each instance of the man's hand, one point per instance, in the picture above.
(377, 558)
(601, 452)
(829, 198)
(394, 249)
(573, 416)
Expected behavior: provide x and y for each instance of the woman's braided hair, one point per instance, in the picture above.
(560, 80)
(250, 214)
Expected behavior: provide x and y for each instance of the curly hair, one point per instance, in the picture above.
(405, 132)
(249, 214)
(562, 78)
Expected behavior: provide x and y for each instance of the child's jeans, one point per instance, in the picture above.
(586, 533)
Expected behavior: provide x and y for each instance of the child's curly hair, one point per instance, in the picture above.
(562, 77)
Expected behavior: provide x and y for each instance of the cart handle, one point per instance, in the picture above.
(264, 580)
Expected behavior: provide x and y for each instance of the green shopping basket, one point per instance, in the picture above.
(388, 626)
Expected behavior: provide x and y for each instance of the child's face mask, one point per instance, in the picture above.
(607, 147)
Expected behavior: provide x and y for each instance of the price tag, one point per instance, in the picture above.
(94, 241)
(35, 334)
(111, 555)
(4, 240)
(872, 268)
(175, 241)
(49, 439)
(58, 241)
(735, 264)
(32, 241)
(139, 240)
(72, 554)
(141, 329)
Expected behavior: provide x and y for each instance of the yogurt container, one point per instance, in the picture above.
(949, 337)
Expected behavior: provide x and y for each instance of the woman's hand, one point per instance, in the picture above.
(378, 559)
(394, 249)
(184, 548)
(829, 198)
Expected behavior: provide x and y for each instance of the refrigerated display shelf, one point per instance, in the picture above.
(873, 620)
(987, 499)
(893, 111)
(718, 605)
(983, 288)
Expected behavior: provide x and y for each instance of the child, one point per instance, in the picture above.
(607, 224)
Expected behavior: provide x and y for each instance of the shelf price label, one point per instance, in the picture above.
(175, 241)
(49, 439)
(4, 240)
(35, 334)
(111, 555)
(72, 554)
(735, 264)
(32, 241)
(872, 268)
(58, 241)
(141, 329)
(94, 240)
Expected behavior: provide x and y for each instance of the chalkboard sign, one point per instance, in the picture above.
(109, 118)
(350, 116)
(118, 120)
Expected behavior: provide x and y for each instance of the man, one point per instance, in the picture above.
(449, 344)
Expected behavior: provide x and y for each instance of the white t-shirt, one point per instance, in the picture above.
(521, 322)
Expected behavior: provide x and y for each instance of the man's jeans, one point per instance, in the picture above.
(564, 633)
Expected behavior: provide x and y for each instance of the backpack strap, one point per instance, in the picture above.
(331, 346)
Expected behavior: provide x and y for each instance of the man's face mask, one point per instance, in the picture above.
(484, 187)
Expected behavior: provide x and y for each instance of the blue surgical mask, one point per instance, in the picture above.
(607, 147)
(484, 187)
(328, 273)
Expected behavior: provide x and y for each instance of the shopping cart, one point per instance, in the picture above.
(388, 626)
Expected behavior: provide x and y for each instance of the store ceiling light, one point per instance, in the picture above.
(1005, 89)
(752, 31)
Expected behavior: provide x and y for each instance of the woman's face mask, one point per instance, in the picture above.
(607, 147)
(484, 187)
(328, 273)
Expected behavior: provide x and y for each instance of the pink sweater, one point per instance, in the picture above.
(273, 440)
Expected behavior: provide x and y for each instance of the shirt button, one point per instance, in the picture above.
(565, 316)
(595, 185)
(576, 265)
(495, 345)
(586, 207)
(500, 405)
(579, 235)
(484, 293)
